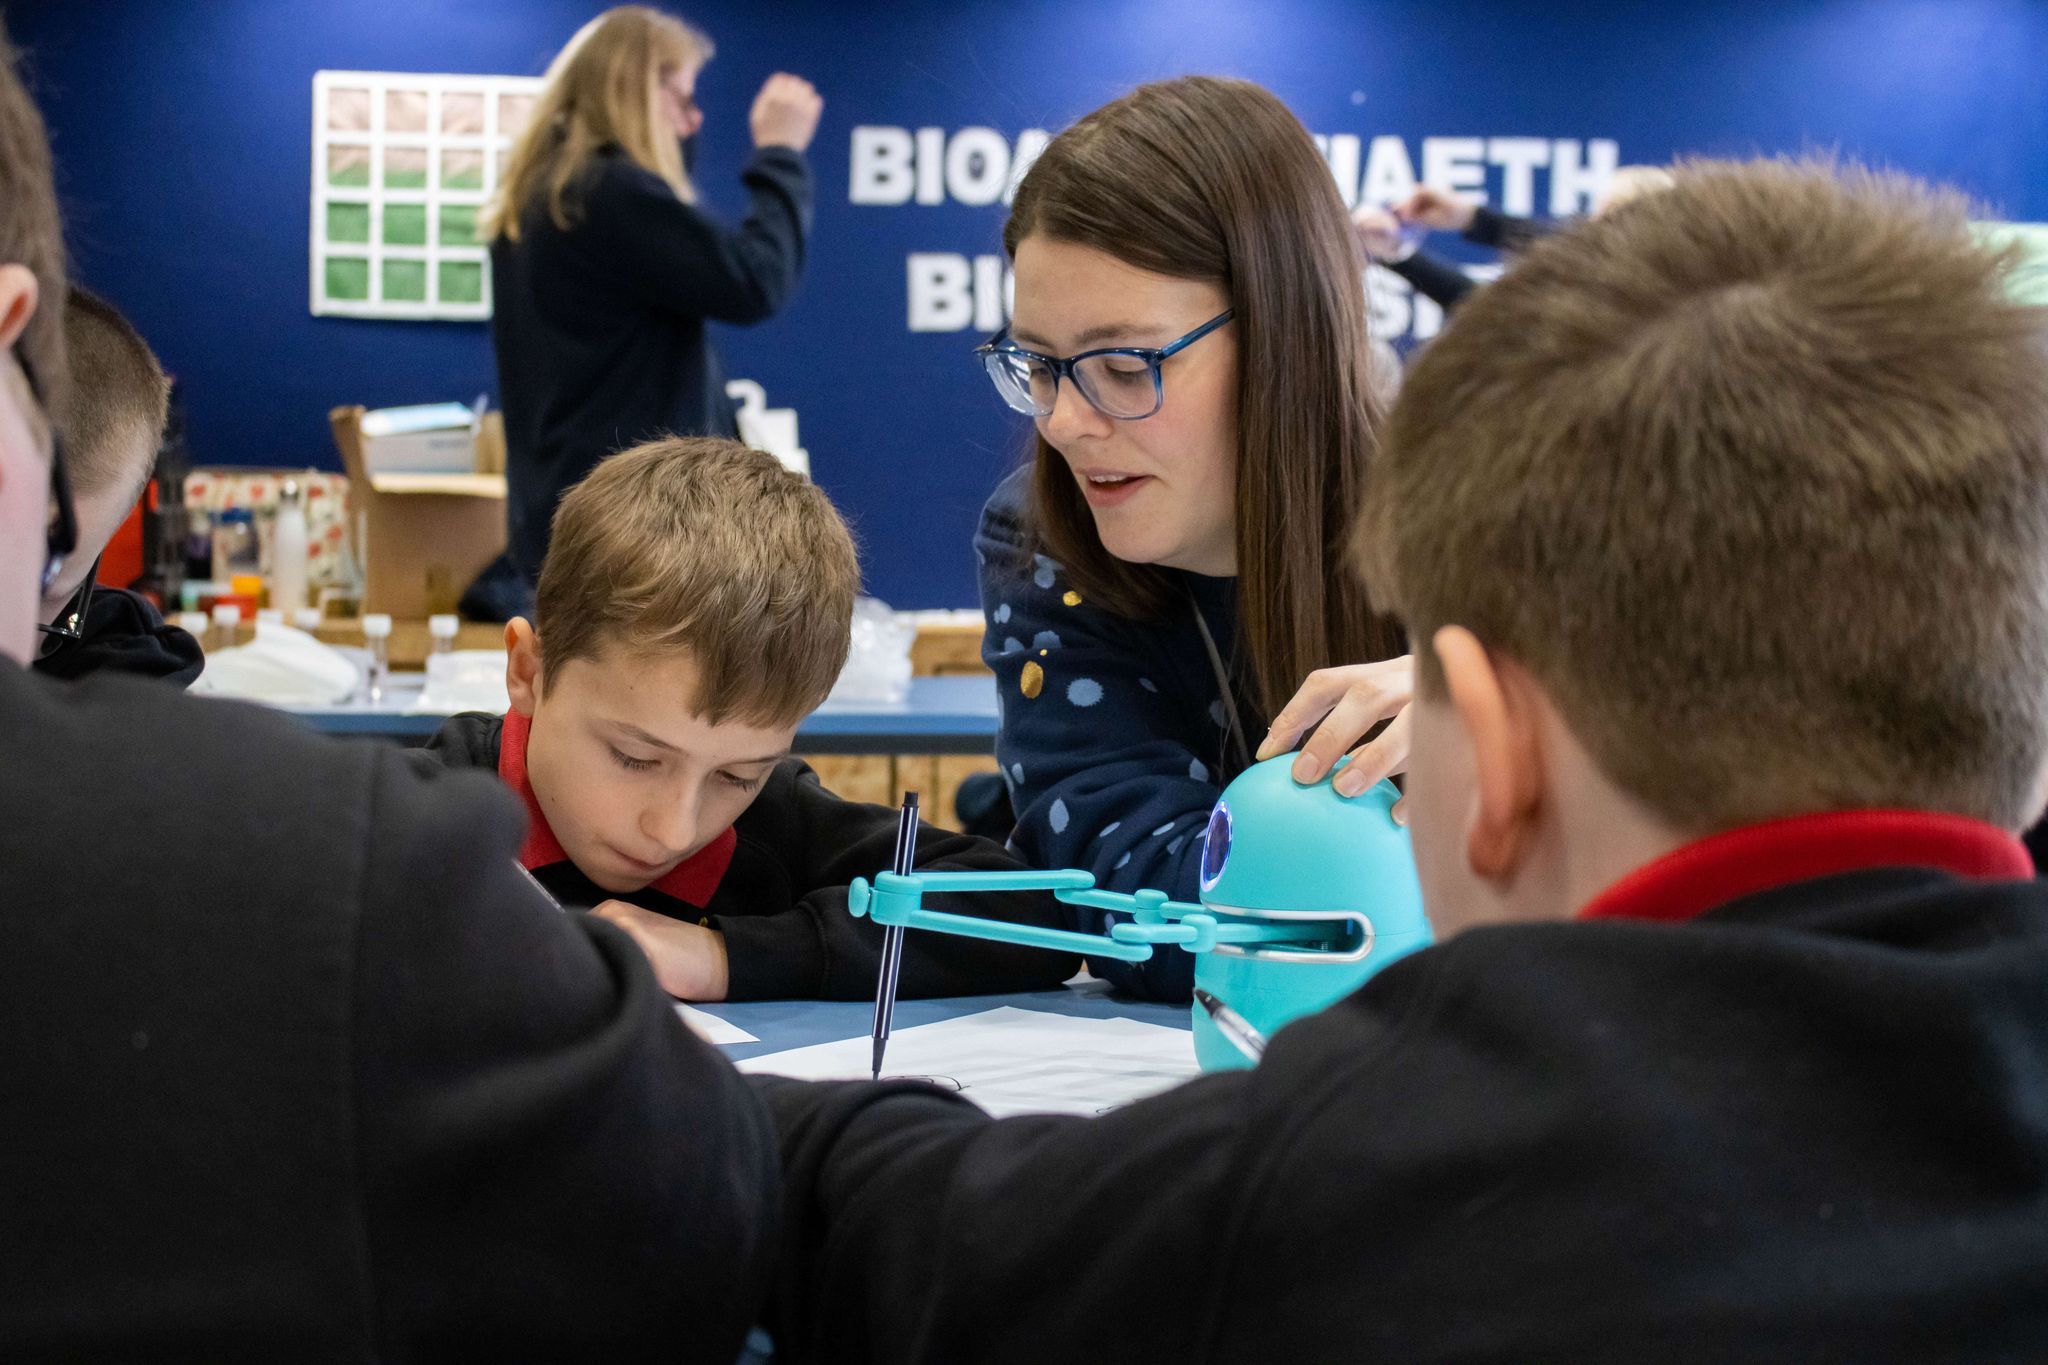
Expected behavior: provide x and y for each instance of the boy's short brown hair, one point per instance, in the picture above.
(698, 543)
(119, 398)
(1753, 477)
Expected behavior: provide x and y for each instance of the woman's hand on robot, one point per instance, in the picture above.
(785, 113)
(1348, 702)
(1435, 209)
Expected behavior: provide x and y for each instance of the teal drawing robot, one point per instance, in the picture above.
(1304, 894)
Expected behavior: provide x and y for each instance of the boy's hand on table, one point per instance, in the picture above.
(688, 959)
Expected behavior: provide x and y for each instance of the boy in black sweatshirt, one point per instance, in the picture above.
(1727, 581)
(695, 605)
(111, 420)
(298, 1067)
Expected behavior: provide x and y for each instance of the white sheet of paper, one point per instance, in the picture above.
(1014, 1061)
(711, 1028)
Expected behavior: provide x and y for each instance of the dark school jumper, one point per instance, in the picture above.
(602, 330)
(1781, 1096)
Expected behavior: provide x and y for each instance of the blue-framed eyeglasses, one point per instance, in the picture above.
(1119, 381)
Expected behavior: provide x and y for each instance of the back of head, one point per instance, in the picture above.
(1216, 180)
(30, 231)
(602, 90)
(119, 397)
(697, 543)
(1758, 492)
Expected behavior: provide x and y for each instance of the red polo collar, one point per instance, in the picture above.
(1724, 867)
(692, 881)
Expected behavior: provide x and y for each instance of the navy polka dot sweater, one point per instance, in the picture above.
(1114, 738)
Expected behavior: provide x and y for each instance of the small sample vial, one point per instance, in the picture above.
(268, 616)
(307, 619)
(377, 633)
(443, 629)
(193, 623)
(227, 619)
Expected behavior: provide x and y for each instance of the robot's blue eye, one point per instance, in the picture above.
(1216, 851)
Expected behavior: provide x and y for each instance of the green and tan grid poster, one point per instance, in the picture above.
(403, 165)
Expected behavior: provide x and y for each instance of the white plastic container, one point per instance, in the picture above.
(377, 633)
(430, 438)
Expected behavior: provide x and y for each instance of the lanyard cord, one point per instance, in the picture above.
(1236, 747)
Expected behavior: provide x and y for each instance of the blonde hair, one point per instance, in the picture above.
(602, 90)
(697, 543)
(1759, 494)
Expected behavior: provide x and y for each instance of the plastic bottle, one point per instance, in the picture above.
(377, 634)
(444, 630)
(227, 619)
(193, 623)
(307, 619)
(288, 550)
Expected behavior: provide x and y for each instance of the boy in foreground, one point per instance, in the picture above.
(298, 1066)
(1733, 576)
(695, 605)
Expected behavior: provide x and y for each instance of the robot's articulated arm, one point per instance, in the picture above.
(899, 900)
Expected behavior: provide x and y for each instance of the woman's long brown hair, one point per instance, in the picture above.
(1208, 179)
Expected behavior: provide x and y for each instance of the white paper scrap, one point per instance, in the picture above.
(711, 1028)
(1014, 1061)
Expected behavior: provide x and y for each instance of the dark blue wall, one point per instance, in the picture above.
(182, 136)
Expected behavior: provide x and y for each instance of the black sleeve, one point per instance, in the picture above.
(1434, 279)
(679, 257)
(816, 949)
(124, 633)
(917, 1229)
(1505, 233)
(552, 1164)
(467, 739)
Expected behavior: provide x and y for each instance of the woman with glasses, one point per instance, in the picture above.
(1189, 337)
(605, 271)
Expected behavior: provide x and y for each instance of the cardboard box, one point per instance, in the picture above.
(422, 538)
